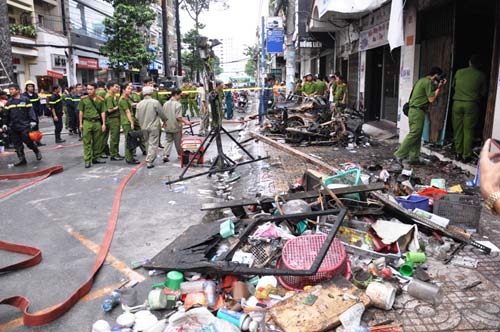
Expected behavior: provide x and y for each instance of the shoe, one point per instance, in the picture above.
(150, 166)
(104, 156)
(161, 146)
(38, 155)
(458, 157)
(71, 133)
(21, 162)
(98, 161)
(60, 140)
(398, 160)
(40, 144)
(117, 158)
(144, 153)
(87, 164)
(417, 162)
(80, 139)
(133, 162)
(165, 160)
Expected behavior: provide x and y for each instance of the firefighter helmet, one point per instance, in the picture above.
(29, 82)
(35, 136)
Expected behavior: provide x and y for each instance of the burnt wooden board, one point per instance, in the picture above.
(292, 315)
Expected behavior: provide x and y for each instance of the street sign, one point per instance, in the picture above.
(275, 39)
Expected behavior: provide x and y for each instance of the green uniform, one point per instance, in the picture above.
(163, 96)
(340, 91)
(308, 87)
(410, 148)
(470, 86)
(92, 127)
(193, 105)
(101, 92)
(112, 126)
(184, 100)
(126, 104)
(320, 87)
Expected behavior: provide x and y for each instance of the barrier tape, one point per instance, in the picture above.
(21, 302)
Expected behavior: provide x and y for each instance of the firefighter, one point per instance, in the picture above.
(56, 107)
(35, 102)
(20, 119)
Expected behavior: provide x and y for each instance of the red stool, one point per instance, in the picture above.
(189, 146)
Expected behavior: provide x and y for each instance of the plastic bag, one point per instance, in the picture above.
(195, 320)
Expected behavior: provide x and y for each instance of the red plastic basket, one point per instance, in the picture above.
(299, 254)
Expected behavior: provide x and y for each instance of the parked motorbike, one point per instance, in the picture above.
(242, 101)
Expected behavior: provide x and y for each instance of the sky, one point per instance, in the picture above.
(239, 21)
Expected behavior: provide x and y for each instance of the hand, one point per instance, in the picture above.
(132, 126)
(81, 128)
(103, 128)
(32, 125)
(489, 171)
(442, 82)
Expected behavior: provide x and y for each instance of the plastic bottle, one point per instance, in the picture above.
(192, 286)
(209, 289)
(111, 301)
(180, 189)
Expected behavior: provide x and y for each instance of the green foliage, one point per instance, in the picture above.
(252, 52)
(191, 60)
(26, 30)
(127, 33)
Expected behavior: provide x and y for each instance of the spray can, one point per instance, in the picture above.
(241, 320)
(209, 289)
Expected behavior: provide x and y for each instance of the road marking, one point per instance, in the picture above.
(89, 297)
(112, 260)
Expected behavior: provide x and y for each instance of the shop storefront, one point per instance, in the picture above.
(86, 69)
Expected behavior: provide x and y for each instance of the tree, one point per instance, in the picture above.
(192, 60)
(252, 52)
(127, 31)
(194, 8)
(6, 49)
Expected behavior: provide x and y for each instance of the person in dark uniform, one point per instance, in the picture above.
(20, 119)
(35, 102)
(75, 98)
(56, 107)
(70, 111)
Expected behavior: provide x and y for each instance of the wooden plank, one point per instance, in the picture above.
(295, 152)
(292, 315)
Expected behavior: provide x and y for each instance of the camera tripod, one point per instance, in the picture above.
(222, 162)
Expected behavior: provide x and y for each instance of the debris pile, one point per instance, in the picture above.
(312, 259)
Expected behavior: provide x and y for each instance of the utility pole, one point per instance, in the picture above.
(262, 107)
(178, 34)
(164, 35)
(290, 47)
(6, 49)
(67, 32)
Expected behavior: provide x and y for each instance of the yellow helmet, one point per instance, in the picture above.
(29, 82)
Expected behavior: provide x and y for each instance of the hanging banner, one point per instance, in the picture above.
(347, 6)
(275, 40)
(374, 37)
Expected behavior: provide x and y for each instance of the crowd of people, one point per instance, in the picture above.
(99, 112)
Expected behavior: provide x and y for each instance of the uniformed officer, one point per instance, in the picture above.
(148, 114)
(172, 114)
(470, 87)
(128, 120)
(204, 112)
(163, 94)
(75, 98)
(193, 105)
(424, 94)
(340, 93)
(308, 87)
(56, 107)
(112, 121)
(219, 100)
(35, 101)
(70, 111)
(148, 81)
(92, 118)
(320, 87)
(20, 119)
(184, 98)
(101, 91)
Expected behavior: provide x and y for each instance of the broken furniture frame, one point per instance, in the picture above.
(237, 206)
(225, 266)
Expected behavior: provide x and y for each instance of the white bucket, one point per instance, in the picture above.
(381, 294)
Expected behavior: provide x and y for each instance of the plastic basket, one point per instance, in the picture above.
(414, 202)
(462, 210)
(299, 254)
(351, 177)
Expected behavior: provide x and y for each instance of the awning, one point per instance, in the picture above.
(24, 51)
(55, 74)
(346, 8)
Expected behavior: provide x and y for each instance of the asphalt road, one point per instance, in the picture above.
(66, 217)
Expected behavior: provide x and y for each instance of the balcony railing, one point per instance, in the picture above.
(25, 30)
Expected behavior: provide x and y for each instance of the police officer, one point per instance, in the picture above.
(340, 92)
(308, 87)
(193, 94)
(470, 87)
(424, 93)
(20, 119)
(320, 87)
(56, 107)
(101, 91)
(128, 120)
(75, 98)
(112, 121)
(184, 98)
(71, 112)
(92, 118)
(35, 101)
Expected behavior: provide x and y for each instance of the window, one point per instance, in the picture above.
(40, 20)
